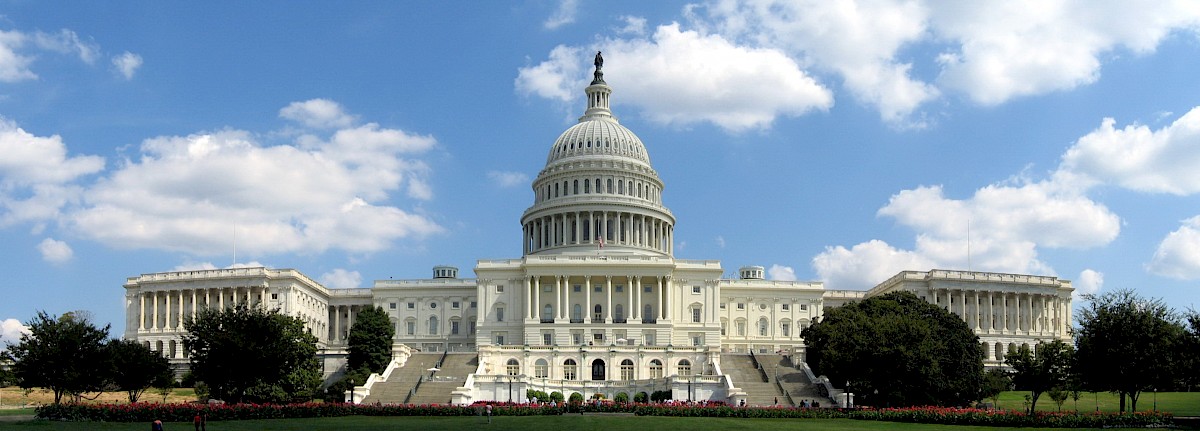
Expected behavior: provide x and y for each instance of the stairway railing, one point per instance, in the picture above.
(761, 372)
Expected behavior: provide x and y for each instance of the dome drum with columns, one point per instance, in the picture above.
(597, 302)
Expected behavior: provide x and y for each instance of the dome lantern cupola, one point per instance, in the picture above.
(598, 192)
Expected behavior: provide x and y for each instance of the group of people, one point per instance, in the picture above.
(804, 404)
(200, 422)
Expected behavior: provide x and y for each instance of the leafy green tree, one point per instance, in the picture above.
(1048, 369)
(1127, 344)
(911, 351)
(135, 368)
(66, 355)
(370, 341)
(253, 355)
(995, 382)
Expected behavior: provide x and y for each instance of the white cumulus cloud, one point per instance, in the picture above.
(127, 64)
(1139, 158)
(682, 77)
(1089, 282)
(55, 251)
(37, 176)
(10, 332)
(341, 279)
(190, 193)
(1178, 254)
(317, 114)
(507, 179)
(781, 273)
(865, 265)
(563, 15)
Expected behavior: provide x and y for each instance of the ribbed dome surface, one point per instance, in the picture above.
(599, 136)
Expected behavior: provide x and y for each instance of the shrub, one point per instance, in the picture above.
(557, 397)
(576, 398)
(640, 397)
(621, 397)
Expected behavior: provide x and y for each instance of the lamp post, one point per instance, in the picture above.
(1156, 399)
(847, 394)
(510, 382)
(351, 391)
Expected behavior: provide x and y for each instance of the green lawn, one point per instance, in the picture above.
(521, 423)
(1178, 403)
(16, 412)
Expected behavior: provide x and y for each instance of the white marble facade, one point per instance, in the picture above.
(598, 302)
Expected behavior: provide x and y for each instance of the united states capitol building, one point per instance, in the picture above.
(597, 303)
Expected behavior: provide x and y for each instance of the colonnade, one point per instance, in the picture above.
(561, 298)
(990, 311)
(165, 310)
(341, 318)
(607, 228)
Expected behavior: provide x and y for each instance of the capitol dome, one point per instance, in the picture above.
(598, 192)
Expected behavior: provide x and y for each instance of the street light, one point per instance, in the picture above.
(847, 394)
(1156, 399)
(351, 391)
(510, 382)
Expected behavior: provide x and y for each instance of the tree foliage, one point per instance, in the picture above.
(910, 351)
(66, 355)
(253, 355)
(1127, 344)
(135, 368)
(1046, 368)
(995, 381)
(370, 341)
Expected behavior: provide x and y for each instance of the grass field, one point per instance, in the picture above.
(1178, 403)
(515, 423)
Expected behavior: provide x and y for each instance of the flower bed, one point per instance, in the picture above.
(146, 412)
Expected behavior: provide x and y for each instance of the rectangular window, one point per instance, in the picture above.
(474, 304)
(722, 305)
(274, 296)
(786, 307)
(500, 288)
(454, 305)
(576, 338)
(803, 307)
(500, 339)
(499, 314)
(577, 288)
(412, 305)
(471, 327)
(453, 327)
(547, 288)
(648, 338)
(648, 289)
(620, 288)
(696, 315)
(547, 338)
(392, 305)
(597, 288)
(411, 327)
(785, 329)
(696, 290)
(697, 339)
(741, 306)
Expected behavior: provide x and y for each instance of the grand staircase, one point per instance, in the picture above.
(740, 368)
(425, 385)
(794, 381)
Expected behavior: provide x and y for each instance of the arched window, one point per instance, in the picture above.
(610, 186)
(620, 187)
(597, 312)
(433, 325)
(570, 370)
(513, 367)
(656, 369)
(685, 368)
(555, 189)
(597, 185)
(762, 327)
(541, 369)
(627, 370)
(575, 187)
(999, 352)
(587, 186)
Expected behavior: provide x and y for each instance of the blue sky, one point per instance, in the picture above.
(824, 140)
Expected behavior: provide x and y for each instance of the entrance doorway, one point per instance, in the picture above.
(598, 369)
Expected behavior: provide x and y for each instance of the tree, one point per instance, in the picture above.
(66, 355)
(910, 351)
(370, 341)
(995, 381)
(1048, 369)
(253, 355)
(135, 368)
(1127, 344)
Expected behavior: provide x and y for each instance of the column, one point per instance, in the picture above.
(221, 297)
(1029, 311)
(141, 311)
(635, 300)
(558, 284)
(608, 317)
(667, 309)
(166, 311)
(179, 319)
(194, 305)
(587, 296)
(537, 299)
(629, 304)
(154, 323)
(530, 284)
